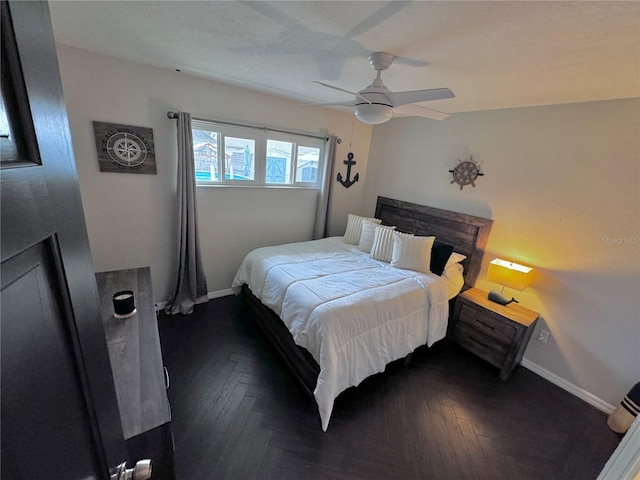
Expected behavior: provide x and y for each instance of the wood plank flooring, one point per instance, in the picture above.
(237, 414)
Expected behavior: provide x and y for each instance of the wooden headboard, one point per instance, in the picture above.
(466, 233)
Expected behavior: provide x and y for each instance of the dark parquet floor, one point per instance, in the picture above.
(237, 414)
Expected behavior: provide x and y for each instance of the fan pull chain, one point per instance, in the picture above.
(353, 123)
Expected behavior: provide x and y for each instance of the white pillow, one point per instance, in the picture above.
(354, 228)
(382, 248)
(454, 279)
(453, 270)
(368, 234)
(411, 252)
(454, 258)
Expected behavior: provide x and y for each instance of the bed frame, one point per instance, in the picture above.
(466, 233)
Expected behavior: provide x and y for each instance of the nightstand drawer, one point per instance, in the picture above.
(502, 330)
(480, 344)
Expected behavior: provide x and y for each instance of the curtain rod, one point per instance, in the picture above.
(174, 115)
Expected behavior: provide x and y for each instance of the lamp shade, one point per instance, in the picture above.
(509, 274)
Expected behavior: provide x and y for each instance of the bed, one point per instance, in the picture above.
(335, 315)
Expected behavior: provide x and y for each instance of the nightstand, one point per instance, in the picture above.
(497, 333)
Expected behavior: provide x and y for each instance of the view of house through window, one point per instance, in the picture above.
(279, 156)
(205, 152)
(239, 158)
(247, 156)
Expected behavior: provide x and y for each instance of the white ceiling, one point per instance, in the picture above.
(491, 54)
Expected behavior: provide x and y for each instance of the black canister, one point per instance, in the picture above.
(123, 304)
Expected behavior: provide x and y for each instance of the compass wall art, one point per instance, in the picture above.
(124, 148)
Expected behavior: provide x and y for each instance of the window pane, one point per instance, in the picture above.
(226, 154)
(239, 158)
(279, 156)
(307, 164)
(205, 153)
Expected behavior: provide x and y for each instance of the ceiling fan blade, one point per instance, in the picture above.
(410, 62)
(342, 90)
(376, 18)
(417, 96)
(331, 104)
(412, 110)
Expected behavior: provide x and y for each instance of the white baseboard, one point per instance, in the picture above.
(569, 387)
(217, 294)
(220, 293)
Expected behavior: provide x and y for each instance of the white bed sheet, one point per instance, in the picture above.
(352, 313)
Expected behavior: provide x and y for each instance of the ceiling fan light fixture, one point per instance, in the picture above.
(376, 104)
(373, 113)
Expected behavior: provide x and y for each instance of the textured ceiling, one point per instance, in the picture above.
(491, 54)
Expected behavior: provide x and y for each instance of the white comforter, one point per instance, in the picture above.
(353, 314)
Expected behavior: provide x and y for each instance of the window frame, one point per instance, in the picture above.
(260, 136)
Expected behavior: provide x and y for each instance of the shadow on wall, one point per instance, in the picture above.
(585, 324)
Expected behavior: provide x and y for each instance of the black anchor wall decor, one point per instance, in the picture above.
(348, 182)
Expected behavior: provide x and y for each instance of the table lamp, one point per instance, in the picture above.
(507, 274)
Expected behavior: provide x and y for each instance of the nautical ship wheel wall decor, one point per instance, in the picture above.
(466, 172)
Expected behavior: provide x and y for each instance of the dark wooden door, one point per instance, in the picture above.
(59, 413)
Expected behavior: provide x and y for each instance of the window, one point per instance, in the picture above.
(233, 155)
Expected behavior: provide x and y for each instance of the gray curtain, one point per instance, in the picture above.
(321, 228)
(190, 283)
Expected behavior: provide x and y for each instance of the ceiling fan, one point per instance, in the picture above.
(377, 104)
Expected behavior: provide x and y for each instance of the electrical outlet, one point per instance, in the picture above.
(543, 336)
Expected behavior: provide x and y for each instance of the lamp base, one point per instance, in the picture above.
(497, 297)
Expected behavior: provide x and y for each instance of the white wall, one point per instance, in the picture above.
(131, 218)
(562, 184)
